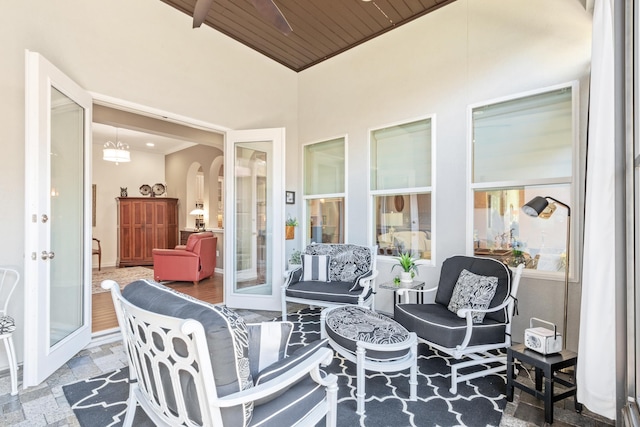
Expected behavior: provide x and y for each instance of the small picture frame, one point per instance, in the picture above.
(290, 197)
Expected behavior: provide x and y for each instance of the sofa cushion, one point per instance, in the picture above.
(227, 340)
(315, 267)
(286, 364)
(338, 292)
(473, 291)
(348, 261)
(436, 324)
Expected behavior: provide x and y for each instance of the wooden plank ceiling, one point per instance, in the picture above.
(321, 28)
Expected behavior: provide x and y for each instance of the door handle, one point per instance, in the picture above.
(47, 255)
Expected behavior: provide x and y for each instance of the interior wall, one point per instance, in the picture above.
(464, 53)
(177, 164)
(144, 168)
(144, 52)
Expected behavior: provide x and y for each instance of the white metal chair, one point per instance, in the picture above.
(457, 331)
(193, 368)
(8, 280)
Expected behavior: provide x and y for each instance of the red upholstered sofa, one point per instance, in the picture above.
(187, 263)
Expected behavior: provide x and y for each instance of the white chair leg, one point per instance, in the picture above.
(332, 403)
(132, 403)
(13, 363)
(360, 383)
(413, 375)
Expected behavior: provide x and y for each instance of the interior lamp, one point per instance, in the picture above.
(117, 152)
(198, 212)
(540, 207)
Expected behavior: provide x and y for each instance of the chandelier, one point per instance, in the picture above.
(117, 152)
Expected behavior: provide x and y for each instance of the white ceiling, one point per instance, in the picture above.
(137, 140)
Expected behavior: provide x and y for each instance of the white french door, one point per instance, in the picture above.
(254, 218)
(57, 228)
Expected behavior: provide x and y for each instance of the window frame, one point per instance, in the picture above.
(306, 238)
(431, 190)
(572, 181)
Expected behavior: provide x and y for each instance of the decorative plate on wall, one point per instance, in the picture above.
(145, 189)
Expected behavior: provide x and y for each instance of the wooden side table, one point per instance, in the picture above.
(395, 288)
(545, 367)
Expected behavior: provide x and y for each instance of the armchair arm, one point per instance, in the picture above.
(366, 282)
(467, 313)
(174, 253)
(311, 366)
(292, 276)
(404, 293)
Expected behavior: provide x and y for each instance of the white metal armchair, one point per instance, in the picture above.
(192, 364)
(471, 316)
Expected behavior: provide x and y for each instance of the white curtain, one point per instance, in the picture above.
(596, 371)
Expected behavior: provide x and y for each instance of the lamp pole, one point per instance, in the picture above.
(566, 272)
(534, 208)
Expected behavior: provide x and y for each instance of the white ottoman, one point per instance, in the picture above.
(373, 342)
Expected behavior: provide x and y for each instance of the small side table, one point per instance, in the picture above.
(403, 285)
(545, 367)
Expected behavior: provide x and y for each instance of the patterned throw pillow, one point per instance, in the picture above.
(473, 291)
(315, 268)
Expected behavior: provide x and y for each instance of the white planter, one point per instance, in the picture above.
(405, 276)
(294, 266)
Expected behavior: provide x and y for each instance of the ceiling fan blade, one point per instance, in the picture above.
(271, 13)
(200, 12)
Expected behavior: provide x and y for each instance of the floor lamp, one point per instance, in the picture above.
(534, 208)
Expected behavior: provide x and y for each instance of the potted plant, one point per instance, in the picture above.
(295, 259)
(408, 265)
(289, 226)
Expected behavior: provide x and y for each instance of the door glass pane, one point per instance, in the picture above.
(253, 218)
(66, 198)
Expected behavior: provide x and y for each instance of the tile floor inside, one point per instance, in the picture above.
(46, 405)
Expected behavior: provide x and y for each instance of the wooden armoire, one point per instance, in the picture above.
(145, 223)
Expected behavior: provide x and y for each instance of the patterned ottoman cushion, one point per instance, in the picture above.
(350, 324)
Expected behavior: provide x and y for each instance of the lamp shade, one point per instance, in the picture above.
(535, 206)
(197, 211)
(393, 219)
(117, 155)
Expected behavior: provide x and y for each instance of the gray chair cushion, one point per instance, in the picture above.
(337, 292)
(284, 365)
(289, 408)
(436, 324)
(227, 340)
(451, 269)
(349, 324)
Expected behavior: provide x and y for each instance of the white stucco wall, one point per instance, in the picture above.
(464, 53)
(143, 52)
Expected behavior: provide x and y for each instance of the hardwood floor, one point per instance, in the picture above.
(103, 316)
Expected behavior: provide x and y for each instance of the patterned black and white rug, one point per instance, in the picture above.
(100, 401)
